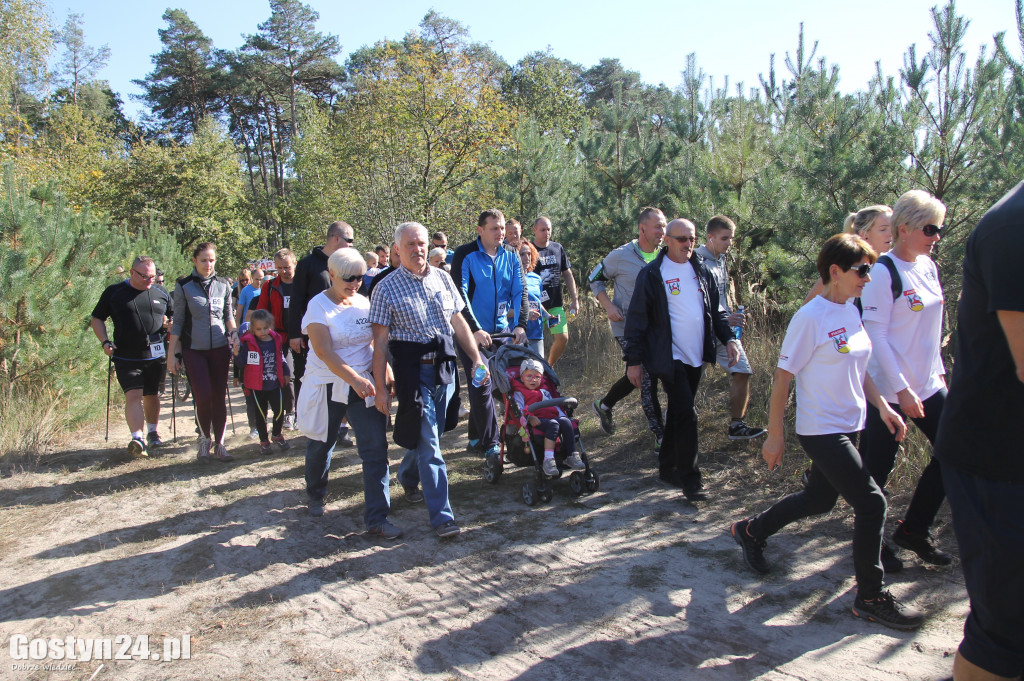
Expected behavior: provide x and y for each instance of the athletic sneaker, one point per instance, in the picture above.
(694, 491)
(344, 440)
(493, 450)
(920, 543)
(204, 450)
(413, 495)
(254, 434)
(738, 430)
(289, 422)
(448, 529)
(549, 467)
(153, 440)
(281, 442)
(385, 531)
(753, 548)
(605, 415)
(316, 507)
(885, 609)
(137, 448)
(220, 452)
(265, 448)
(575, 462)
(891, 563)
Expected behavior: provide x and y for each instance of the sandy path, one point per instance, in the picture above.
(629, 583)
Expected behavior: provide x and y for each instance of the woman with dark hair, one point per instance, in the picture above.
(826, 349)
(873, 224)
(205, 326)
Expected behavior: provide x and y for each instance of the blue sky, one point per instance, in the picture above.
(730, 37)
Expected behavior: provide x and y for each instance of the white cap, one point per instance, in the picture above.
(531, 364)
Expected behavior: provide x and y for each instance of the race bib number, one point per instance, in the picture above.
(253, 358)
(287, 301)
(544, 297)
(534, 305)
(157, 350)
(502, 309)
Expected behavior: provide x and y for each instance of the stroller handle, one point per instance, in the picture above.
(568, 403)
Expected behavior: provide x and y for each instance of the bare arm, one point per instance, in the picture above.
(1013, 326)
(890, 418)
(775, 444)
(380, 373)
(570, 285)
(610, 308)
(99, 327)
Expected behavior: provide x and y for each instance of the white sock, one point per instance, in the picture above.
(138, 435)
(549, 454)
(152, 427)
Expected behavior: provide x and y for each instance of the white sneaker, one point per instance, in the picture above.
(254, 434)
(289, 422)
(550, 468)
(574, 462)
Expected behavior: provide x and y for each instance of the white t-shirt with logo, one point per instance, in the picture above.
(906, 332)
(827, 349)
(685, 311)
(351, 336)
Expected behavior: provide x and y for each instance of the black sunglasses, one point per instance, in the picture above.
(352, 277)
(347, 240)
(932, 230)
(861, 270)
(682, 239)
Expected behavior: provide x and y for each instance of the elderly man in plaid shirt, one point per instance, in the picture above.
(415, 314)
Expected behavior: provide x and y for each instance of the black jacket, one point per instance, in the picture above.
(311, 277)
(405, 363)
(648, 332)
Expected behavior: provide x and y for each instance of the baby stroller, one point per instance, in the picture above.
(520, 446)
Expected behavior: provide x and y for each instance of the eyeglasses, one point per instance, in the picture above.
(351, 278)
(682, 239)
(861, 270)
(160, 280)
(932, 230)
(143, 276)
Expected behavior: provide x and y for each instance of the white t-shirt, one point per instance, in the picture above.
(685, 311)
(351, 336)
(907, 332)
(827, 349)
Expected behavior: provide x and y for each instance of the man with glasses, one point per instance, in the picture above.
(312, 277)
(673, 320)
(139, 351)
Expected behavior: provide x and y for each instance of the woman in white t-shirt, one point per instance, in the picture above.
(826, 349)
(873, 224)
(904, 321)
(338, 383)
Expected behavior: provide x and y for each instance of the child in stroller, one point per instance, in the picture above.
(521, 447)
(527, 391)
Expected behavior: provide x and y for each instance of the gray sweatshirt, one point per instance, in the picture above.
(205, 304)
(620, 268)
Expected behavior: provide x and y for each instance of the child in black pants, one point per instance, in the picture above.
(264, 372)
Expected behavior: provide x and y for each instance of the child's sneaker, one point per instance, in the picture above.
(550, 468)
(281, 442)
(265, 448)
(574, 462)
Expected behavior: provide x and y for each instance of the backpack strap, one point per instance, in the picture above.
(896, 284)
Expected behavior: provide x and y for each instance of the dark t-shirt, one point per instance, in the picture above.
(979, 430)
(137, 315)
(267, 349)
(553, 261)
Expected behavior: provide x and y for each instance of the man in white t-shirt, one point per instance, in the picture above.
(673, 319)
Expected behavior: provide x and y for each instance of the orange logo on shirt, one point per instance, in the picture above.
(913, 300)
(839, 338)
(673, 286)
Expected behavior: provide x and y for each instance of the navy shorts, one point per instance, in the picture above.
(147, 375)
(989, 528)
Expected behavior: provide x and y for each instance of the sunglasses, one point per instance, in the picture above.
(143, 276)
(932, 230)
(243, 281)
(351, 278)
(682, 239)
(347, 240)
(862, 270)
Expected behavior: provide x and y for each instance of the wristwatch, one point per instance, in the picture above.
(105, 343)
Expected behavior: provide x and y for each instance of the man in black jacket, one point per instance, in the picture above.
(669, 327)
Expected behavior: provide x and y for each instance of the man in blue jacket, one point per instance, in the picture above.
(490, 279)
(673, 319)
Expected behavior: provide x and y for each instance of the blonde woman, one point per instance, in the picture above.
(873, 224)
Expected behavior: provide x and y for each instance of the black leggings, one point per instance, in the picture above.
(258, 402)
(836, 468)
(879, 447)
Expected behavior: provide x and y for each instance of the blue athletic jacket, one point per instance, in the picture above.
(490, 287)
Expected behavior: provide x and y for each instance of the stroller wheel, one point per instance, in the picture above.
(576, 482)
(592, 481)
(544, 492)
(492, 468)
(529, 493)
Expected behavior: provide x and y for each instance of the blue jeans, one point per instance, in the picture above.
(370, 427)
(425, 465)
(318, 454)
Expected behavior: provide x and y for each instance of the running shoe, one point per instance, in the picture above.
(153, 440)
(738, 430)
(694, 491)
(316, 507)
(550, 468)
(220, 453)
(385, 531)
(281, 442)
(923, 544)
(289, 422)
(448, 529)
(575, 462)
(265, 448)
(344, 439)
(753, 548)
(885, 609)
(605, 415)
(137, 448)
(203, 455)
(254, 434)
(413, 495)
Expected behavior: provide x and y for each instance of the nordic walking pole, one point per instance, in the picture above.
(110, 363)
(174, 413)
(230, 410)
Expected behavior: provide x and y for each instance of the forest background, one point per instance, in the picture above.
(262, 146)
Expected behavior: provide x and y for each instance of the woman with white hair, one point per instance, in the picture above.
(339, 383)
(903, 314)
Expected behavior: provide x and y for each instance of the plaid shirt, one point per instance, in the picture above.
(416, 308)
